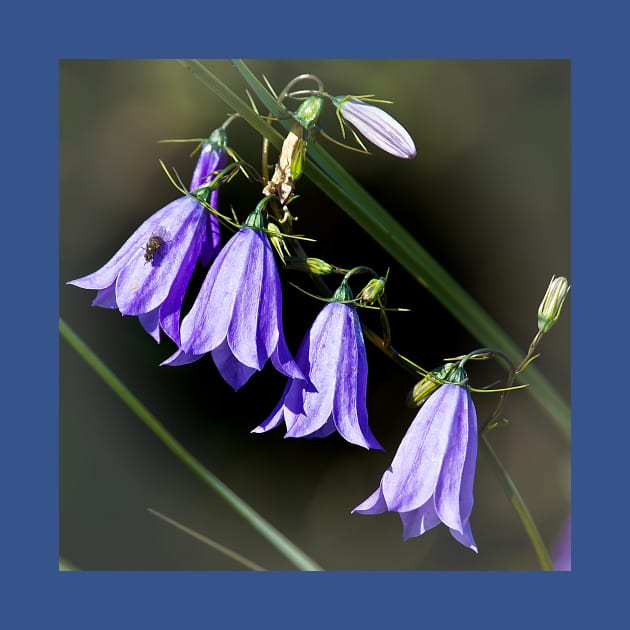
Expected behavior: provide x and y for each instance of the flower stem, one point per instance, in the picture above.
(290, 551)
(519, 505)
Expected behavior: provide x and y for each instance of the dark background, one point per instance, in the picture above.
(488, 195)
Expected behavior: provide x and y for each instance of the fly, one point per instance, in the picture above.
(155, 243)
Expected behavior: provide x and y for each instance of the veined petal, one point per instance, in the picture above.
(374, 504)
(418, 521)
(181, 358)
(270, 331)
(415, 469)
(349, 410)
(107, 274)
(143, 285)
(106, 298)
(151, 323)
(317, 357)
(465, 538)
(206, 324)
(235, 373)
(242, 335)
(274, 418)
(379, 127)
(448, 490)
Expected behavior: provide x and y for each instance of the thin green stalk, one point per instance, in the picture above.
(349, 195)
(519, 505)
(290, 551)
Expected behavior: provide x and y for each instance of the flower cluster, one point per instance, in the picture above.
(237, 318)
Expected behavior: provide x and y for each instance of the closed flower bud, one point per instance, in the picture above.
(316, 266)
(377, 126)
(424, 388)
(551, 305)
(373, 291)
(308, 112)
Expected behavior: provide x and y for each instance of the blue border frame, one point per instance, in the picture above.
(39, 595)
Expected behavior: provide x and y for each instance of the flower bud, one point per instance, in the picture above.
(316, 266)
(373, 291)
(377, 126)
(551, 305)
(308, 112)
(434, 379)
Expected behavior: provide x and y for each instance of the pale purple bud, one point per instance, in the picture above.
(377, 126)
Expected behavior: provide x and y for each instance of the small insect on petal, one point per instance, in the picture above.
(156, 243)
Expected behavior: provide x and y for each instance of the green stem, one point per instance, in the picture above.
(278, 540)
(519, 505)
(349, 195)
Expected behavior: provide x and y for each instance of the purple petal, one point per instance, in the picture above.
(181, 358)
(379, 127)
(242, 329)
(151, 323)
(235, 373)
(273, 419)
(106, 298)
(141, 285)
(270, 330)
(415, 469)
(349, 410)
(418, 521)
(447, 491)
(206, 325)
(107, 274)
(465, 538)
(374, 504)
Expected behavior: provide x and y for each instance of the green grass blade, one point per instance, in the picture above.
(517, 502)
(289, 550)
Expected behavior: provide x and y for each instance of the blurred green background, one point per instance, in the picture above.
(488, 195)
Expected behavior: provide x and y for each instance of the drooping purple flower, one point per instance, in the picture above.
(237, 315)
(377, 126)
(431, 476)
(332, 356)
(149, 274)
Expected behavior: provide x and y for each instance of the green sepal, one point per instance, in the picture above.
(343, 293)
(308, 112)
(256, 220)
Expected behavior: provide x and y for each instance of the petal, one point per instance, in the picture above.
(415, 469)
(465, 538)
(349, 410)
(242, 329)
(106, 298)
(317, 357)
(235, 373)
(181, 358)
(151, 323)
(418, 521)
(379, 127)
(447, 492)
(205, 326)
(170, 310)
(107, 274)
(143, 285)
(468, 475)
(270, 330)
(374, 504)
(274, 418)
